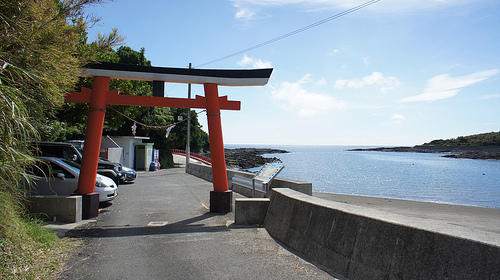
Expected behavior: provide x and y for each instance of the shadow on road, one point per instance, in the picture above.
(185, 226)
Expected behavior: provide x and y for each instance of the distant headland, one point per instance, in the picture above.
(478, 146)
(244, 158)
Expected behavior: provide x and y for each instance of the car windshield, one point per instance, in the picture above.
(79, 150)
(69, 164)
(72, 164)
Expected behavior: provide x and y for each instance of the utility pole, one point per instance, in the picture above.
(188, 141)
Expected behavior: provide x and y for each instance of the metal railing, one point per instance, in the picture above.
(202, 158)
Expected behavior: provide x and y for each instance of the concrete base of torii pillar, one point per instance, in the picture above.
(221, 202)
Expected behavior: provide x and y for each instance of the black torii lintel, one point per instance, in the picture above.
(235, 77)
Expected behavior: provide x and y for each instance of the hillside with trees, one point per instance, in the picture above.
(483, 139)
(478, 146)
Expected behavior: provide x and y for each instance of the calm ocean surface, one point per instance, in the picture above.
(414, 176)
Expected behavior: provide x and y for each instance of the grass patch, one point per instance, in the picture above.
(27, 249)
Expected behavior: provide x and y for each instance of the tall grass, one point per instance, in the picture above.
(27, 250)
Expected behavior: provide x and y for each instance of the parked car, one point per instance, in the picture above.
(57, 176)
(129, 174)
(69, 152)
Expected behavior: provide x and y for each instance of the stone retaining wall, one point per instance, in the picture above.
(363, 243)
(56, 208)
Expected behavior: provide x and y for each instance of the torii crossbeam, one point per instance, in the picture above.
(100, 96)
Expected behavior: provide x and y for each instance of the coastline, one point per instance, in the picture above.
(244, 158)
(470, 152)
(467, 216)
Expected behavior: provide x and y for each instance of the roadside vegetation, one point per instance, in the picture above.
(43, 45)
(37, 65)
(483, 139)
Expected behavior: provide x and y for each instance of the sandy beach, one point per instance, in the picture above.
(484, 219)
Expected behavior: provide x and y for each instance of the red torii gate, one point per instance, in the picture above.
(100, 96)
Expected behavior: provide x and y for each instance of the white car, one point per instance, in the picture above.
(58, 176)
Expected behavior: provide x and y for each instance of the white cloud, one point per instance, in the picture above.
(376, 78)
(395, 119)
(490, 96)
(242, 13)
(444, 86)
(321, 82)
(366, 61)
(397, 116)
(306, 79)
(305, 103)
(255, 63)
(332, 52)
(340, 84)
(247, 9)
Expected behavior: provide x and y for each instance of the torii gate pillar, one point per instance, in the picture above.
(93, 136)
(220, 198)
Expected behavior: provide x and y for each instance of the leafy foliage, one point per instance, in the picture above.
(73, 117)
(39, 62)
(199, 138)
(483, 139)
(16, 131)
(42, 38)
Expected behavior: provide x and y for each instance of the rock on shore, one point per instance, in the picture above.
(243, 158)
(472, 152)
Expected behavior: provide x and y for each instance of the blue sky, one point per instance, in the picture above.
(393, 73)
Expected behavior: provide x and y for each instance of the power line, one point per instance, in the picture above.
(366, 4)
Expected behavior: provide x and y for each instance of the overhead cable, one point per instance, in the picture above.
(366, 4)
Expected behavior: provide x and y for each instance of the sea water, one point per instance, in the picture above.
(413, 176)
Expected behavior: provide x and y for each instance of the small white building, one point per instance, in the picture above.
(121, 148)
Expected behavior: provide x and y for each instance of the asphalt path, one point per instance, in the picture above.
(160, 228)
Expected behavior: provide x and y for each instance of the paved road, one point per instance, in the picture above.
(159, 228)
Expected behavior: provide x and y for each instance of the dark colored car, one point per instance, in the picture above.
(129, 174)
(70, 152)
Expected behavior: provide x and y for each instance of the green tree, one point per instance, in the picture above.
(128, 56)
(119, 119)
(71, 118)
(483, 139)
(198, 138)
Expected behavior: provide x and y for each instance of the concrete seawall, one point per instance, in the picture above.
(205, 172)
(363, 243)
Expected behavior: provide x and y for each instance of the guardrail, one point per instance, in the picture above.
(205, 172)
(202, 158)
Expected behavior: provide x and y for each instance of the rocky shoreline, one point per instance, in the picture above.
(471, 152)
(243, 158)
